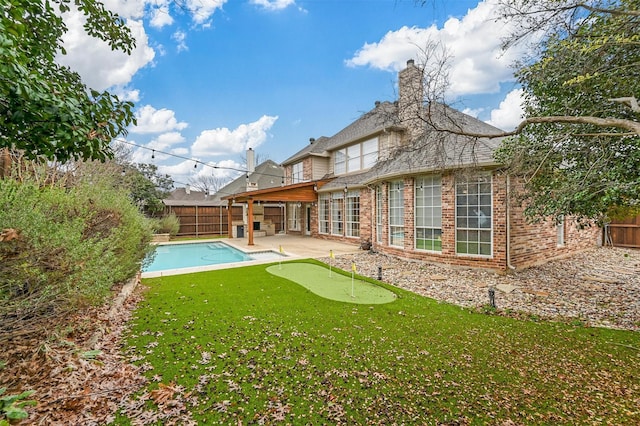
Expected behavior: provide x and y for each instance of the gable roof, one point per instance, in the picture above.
(267, 174)
(441, 147)
(382, 117)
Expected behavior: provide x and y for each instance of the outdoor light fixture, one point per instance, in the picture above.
(346, 189)
(153, 153)
(492, 297)
(195, 165)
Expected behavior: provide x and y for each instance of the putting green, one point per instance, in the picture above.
(335, 287)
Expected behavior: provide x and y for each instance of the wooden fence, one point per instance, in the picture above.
(624, 233)
(213, 220)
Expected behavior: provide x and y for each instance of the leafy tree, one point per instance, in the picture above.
(579, 145)
(45, 109)
(147, 187)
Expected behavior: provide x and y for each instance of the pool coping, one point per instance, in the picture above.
(179, 271)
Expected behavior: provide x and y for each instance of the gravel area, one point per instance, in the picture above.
(600, 287)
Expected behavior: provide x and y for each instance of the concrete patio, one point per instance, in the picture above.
(296, 246)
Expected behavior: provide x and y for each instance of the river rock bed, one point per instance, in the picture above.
(599, 287)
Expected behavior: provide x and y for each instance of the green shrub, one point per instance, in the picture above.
(169, 224)
(74, 244)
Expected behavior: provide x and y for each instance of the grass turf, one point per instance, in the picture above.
(333, 285)
(248, 347)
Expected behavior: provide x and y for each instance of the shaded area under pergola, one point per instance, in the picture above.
(305, 192)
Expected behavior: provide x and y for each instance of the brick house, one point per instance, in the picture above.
(416, 192)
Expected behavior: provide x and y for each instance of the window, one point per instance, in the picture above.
(340, 165)
(353, 214)
(428, 213)
(323, 213)
(369, 153)
(560, 231)
(337, 213)
(296, 173)
(379, 203)
(353, 158)
(356, 157)
(294, 216)
(473, 216)
(396, 213)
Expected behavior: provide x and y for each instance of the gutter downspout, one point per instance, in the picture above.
(508, 224)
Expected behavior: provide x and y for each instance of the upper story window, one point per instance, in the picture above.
(356, 157)
(296, 173)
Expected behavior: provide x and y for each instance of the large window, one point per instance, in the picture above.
(353, 214)
(337, 213)
(396, 213)
(379, 204)
(297, 173)
(473, 216)
(356, 157)
(323, 213)
(428, 213)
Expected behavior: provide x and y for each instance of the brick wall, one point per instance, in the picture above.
(530, 243)
(536, 243)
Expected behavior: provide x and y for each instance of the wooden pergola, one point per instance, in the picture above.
(305, 192)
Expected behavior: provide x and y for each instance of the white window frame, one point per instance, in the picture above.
(352, 210)
(297, 173)
(356, 157)
(324, 211)
(428, 213)
(396, 213)
(474, 216)
(337, 213)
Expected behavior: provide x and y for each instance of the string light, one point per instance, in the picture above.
(153, 151)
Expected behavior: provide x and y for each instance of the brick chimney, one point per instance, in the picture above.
(411, 100)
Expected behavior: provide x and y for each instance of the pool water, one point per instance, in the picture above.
(177, 256)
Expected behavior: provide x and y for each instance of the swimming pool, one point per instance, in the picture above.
(170, 259)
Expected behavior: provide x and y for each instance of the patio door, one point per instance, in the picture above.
(307, 229)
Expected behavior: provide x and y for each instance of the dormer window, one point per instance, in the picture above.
(360, 156)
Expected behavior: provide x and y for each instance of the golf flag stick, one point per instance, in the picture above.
(353, 273)
(331, 257)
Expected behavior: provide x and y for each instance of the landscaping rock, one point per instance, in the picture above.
(555, 290)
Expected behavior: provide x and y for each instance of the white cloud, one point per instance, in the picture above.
(129, 9)
(151, 120)
(154, 151)
(202, 10)
(126, 93)
(473, 112)
(223, 141)
(510, 113)
(273, 5)
(160, 15)
(478, 63)
(180, 38)
(98, 65)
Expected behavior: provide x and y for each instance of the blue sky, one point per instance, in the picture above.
(213, 77)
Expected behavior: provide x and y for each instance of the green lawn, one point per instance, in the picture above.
(242, 346)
